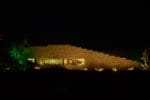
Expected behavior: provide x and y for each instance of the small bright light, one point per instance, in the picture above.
(37, 68)
(85, 69)
(130, 69)
(41, 63)
(142, 65)
(99, 69)
(114, 69)
(31, 59)
(75, 61)
(65, 61)
(7, 68)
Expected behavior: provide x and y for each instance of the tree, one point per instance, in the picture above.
(20, 54)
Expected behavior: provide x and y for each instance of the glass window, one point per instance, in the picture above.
(52, 61)
(76, 61)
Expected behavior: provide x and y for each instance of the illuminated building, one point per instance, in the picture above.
(77, 58)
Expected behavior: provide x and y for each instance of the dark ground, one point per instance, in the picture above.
(72, 84)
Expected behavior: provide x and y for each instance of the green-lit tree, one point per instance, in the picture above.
(20, 54)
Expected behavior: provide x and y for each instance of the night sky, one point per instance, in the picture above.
(95, 28)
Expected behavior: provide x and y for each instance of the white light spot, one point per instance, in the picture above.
(99, 69)
(114, 69)
(31, 59)
(37, 68)
(130, 69)
(85, 69)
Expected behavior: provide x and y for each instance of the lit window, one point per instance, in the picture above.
(65, 61)
(75, 61)
(52, 61)
(80, 61)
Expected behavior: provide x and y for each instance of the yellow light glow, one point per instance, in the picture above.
(85, 69)
(99, 69)
(65, 61)
(37, 68)
(80, 61)
(130, 69)
(41, 63)
(114, 69)
(52, 61)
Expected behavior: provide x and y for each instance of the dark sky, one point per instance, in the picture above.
(92, 27)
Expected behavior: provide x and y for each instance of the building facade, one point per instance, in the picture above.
(77, 58)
